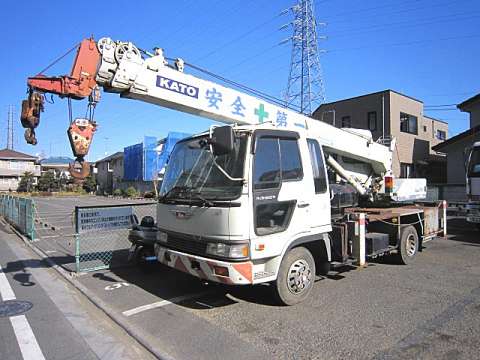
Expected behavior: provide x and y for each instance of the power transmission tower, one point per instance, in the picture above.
(305, 89)
(10, 128)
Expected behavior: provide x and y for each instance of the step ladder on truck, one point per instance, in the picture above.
(273, 196)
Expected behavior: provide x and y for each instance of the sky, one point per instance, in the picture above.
(427, 49)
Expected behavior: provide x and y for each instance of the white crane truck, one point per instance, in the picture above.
(272, 197)
(473, 184)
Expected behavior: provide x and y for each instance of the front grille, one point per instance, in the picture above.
(189, 246)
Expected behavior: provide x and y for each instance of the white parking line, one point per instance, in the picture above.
(162, 303)
(26, 339)
(23, 332)
(5, 290)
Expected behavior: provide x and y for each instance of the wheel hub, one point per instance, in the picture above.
(411, 245)
(299, 276)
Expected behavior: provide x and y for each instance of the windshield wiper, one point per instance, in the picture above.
(176, 189)
(205, 202)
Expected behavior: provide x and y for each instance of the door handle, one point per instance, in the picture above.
(303, 204)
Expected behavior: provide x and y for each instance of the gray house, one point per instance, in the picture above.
(109, 173)
(388, 114)
(13, 164)
(456, 146)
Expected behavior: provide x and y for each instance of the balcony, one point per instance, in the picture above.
(18, 169)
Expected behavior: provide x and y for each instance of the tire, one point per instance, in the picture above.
(409, 244)
(296, 276)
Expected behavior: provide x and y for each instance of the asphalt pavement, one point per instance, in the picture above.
(427, 310)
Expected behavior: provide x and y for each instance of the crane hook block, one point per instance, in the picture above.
(30, 115)
(80, 133)
(79, 170)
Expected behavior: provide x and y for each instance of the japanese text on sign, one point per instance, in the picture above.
(104, 219)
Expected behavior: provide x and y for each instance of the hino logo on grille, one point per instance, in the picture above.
(182, 214)
(177, 87)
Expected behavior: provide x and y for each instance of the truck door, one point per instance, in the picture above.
(280, 203)
(320, 211)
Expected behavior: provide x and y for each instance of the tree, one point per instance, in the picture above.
(90, 184)
(131, 192)
(47, 182)
(26, 182)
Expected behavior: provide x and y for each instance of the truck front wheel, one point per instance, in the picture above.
(408, 246)
(295, 277)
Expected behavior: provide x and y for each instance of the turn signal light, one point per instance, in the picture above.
(388, 184)
(220, 270)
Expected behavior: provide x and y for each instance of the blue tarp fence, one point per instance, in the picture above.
(145, 160)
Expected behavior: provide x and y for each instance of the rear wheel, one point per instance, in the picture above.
(408, 247)
(295, 276)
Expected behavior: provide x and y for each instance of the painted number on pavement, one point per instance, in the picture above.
(116, 286)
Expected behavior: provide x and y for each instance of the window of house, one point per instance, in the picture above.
(441, 135)
(346, 122)
(372, 120)
(424, 128)
(408, 123)
(318, 167)
(406, 170)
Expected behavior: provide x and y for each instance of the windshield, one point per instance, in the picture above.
(191, 174)
(474, 166)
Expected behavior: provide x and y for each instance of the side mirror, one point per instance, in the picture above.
(222, 140)
(466, 157)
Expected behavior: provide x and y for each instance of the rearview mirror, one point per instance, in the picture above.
(222, 140)
(466, 156)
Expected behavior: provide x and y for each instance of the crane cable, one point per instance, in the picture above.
(59, 58)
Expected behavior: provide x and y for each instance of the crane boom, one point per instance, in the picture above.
(155, 81)
(122, 68)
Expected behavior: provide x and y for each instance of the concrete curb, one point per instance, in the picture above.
(133, 331)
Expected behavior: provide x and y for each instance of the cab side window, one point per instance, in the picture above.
(318, 166)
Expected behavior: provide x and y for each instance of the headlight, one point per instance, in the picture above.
(162, 237)
(235, 251)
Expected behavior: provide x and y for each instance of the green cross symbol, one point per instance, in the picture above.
(261, 113)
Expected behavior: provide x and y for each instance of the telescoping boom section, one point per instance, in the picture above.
(155, 81)
(121, 67)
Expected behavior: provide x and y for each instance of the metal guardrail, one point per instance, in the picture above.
(19, 212)
(101, 234)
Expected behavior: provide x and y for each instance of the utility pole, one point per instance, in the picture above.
(305, 89)
(10, 128)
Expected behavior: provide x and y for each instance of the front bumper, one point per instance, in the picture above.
(239, 273)
(473, 213)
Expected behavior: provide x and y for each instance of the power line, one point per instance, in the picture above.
(408, 24)
(238, 38)
(418, 42)
(446, 105)
(371, 8)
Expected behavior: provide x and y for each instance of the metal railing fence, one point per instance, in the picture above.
(20, 213)
(101, 234)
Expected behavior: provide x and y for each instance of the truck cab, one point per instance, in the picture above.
(239, 212)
